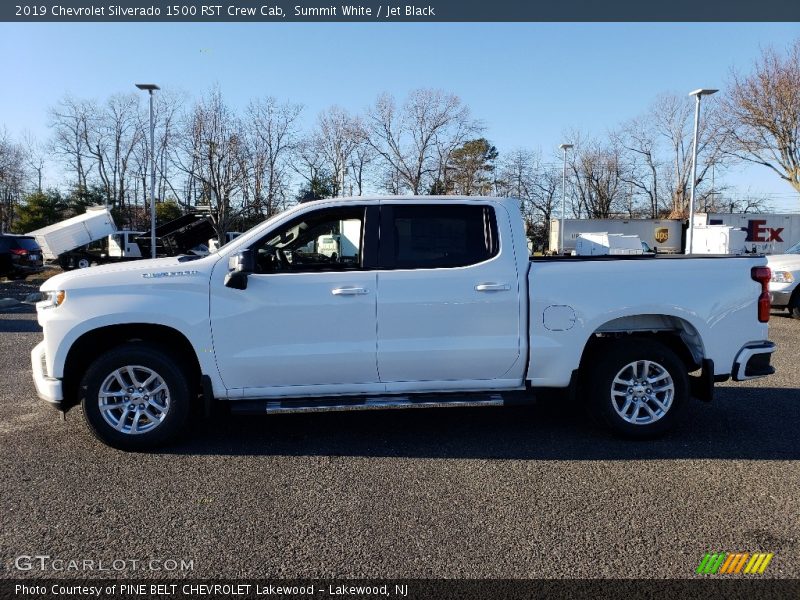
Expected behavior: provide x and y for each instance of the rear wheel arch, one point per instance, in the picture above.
(92, 344)
(677, 334)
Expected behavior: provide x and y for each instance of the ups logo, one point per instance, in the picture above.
(661, 235)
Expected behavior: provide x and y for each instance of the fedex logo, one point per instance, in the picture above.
(757, 231)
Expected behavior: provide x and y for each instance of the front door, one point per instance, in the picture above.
(306, 322)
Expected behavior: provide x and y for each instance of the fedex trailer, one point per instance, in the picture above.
(765, 233)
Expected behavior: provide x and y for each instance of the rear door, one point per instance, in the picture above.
(448, 295)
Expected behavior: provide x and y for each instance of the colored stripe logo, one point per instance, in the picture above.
(734, 563)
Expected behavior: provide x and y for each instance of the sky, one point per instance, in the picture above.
(527, 82)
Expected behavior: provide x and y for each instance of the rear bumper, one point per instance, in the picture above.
(753, 361)
(26, 269)
(49, 389)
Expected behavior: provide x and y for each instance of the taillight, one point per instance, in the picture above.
(19, 251)
(762, 275)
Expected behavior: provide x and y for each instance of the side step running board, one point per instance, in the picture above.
(339, 403)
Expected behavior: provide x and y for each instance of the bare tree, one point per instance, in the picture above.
(210, 150)
(111, 134)
(763, 110)
(672, 117)
(413, 141)
(639, 140)
(12, 178)
(36, 155)
(523, 175)
(362, 157)
(272, 137)
(597, 175)
(335, 138)
(68, 119)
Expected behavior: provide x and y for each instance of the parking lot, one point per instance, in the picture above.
(519, 492)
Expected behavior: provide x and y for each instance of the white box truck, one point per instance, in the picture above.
(57, 239)
(719, 239)
(93, 238)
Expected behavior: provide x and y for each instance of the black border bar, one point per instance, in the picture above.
(376, 11)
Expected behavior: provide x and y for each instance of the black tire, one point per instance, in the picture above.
(794, 304)
(82, 262)
(609, 399)
(144, 358)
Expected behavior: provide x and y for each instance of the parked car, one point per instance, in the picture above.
(421, 301)
(20, 255)
(784, 286)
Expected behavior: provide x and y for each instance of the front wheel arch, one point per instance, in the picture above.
(98, 341)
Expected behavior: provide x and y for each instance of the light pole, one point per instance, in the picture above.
(564, 147)
(697, 94)
(151, 87)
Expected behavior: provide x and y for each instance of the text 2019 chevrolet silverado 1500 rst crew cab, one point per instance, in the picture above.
(400, 301)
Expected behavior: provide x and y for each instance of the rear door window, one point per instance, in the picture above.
(419, 236)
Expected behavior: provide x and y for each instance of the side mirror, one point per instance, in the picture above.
(242, 265)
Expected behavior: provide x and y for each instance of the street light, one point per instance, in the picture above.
(151, 87)
(697, 94)
(564, 147)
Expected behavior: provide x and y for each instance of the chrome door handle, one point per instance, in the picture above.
(492, 287)
(349, 291)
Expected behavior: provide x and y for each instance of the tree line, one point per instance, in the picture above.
(244, 166)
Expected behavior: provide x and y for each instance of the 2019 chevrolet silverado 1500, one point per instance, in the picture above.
(396, 301)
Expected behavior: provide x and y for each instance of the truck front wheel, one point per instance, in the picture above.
(135, 397)
(639, 387)
(794, 304)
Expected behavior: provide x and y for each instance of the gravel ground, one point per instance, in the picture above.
(517, 492)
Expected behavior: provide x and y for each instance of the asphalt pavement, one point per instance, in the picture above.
(520, 492)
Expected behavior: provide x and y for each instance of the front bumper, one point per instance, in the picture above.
(780, 299)
(48, 388)
(753, 361)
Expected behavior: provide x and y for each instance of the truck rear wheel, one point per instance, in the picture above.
(82, 262)
(135, 397)
(639, 387)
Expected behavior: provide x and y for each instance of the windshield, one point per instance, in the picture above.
(794, 249)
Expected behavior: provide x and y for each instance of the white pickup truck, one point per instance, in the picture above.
(434, 302)
(785, 284)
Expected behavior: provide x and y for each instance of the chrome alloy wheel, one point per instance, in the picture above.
(134, 399)
(642, 392)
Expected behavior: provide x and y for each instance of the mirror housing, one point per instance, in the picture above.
(242, 265)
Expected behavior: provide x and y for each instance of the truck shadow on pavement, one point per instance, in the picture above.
(741, 423)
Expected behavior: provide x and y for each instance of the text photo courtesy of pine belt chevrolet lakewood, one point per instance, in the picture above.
(396, 302)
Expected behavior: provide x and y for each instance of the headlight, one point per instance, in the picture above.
(52, 299)
(782, 277)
